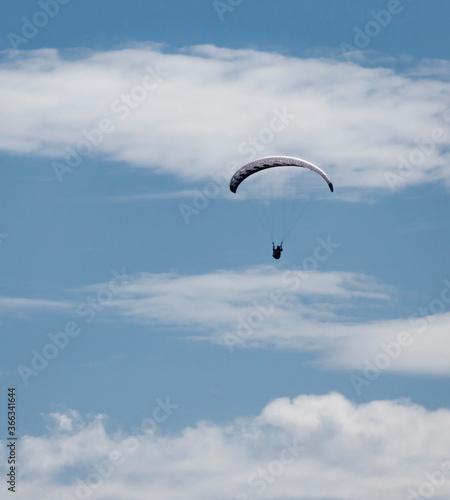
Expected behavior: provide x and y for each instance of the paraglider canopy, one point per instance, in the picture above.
(272, 162)
(290, 202)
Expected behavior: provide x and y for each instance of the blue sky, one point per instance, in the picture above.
(162, 281)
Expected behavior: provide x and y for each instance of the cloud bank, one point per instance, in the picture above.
(311, 447)
(204, 110)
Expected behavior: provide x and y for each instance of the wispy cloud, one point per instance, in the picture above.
(172, 195)
(18, 305)
(330, 313)
(334, 315)
(205, 106)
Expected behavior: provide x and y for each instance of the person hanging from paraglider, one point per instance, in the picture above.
(277, 251)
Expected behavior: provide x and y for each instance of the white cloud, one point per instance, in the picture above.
(318, 447)
(204, 104)
(330, 313)
(20, 306)
(334, 315)
(185, 193)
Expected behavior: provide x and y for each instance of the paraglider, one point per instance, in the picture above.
(270, 162)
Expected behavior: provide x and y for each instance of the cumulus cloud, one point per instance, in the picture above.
(205, 110)
(319, 447)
